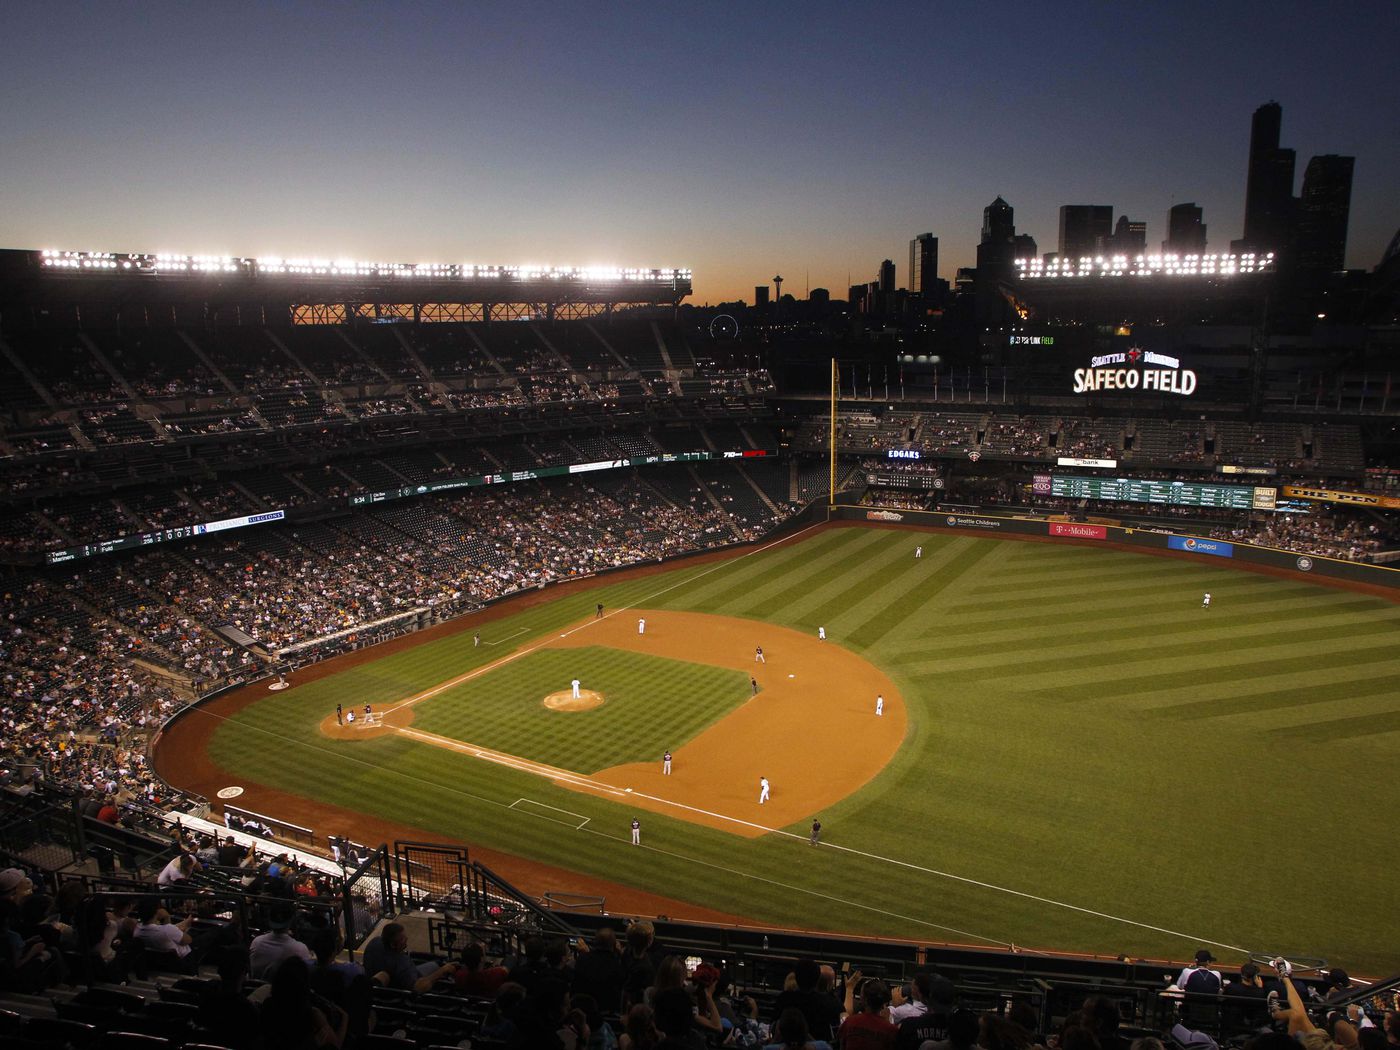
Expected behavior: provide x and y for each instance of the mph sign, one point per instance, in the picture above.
(1135, 369)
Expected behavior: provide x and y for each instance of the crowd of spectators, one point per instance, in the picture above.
(1323, 533)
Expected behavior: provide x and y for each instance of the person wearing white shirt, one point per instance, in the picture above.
(179, 869)
(269, 949)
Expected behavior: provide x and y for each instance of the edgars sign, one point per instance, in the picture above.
(1104, 373)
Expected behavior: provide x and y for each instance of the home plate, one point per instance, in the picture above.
(792, 676)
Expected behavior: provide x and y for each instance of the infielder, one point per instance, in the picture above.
(636, 832)
(599, 614)
(1205, 601)
(880, 704)
(762, 790)
(642, 626)
(821, 634)
(758, 655)
(666, 764)
(574, 683)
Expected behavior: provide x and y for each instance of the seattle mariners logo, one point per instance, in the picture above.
(1305, 564)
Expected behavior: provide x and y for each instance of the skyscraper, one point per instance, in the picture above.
(1186, 233)
(887, 277)
(1085, 229)
(923, 264)
(1323, 211)
(1129, 237)
(1268, 195)
(997, 224)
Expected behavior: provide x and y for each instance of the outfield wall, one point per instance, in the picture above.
(1148, 538)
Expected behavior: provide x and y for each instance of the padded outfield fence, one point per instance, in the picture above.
(1140, 537)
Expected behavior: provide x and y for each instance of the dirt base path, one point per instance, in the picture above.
(811, 730)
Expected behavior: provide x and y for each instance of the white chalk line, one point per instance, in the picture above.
(582, 820)
(502, 641)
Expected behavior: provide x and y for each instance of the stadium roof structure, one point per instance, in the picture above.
(61, 285)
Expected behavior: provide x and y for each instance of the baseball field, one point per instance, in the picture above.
(1073, 753)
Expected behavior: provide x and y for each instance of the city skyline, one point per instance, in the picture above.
(807, 141)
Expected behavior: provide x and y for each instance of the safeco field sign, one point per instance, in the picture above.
(1138, 374)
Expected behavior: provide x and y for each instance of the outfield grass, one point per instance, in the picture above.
(652, 705)
(1082, 733)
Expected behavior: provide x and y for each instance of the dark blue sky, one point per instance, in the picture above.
(742, 140)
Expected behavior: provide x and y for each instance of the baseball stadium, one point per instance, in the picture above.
(380, 592)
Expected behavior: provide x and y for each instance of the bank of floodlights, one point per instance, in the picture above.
(164, 263)
(1167, 264)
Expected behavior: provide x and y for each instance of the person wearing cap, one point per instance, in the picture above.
(1199, 977)
(14, 885)
(269, 949)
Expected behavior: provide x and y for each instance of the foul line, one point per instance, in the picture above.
(502, 641)
(524, 765)
(578, 816)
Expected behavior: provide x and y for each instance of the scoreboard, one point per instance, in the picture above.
(1148, 490)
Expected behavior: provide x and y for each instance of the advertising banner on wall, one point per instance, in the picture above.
(1196, 545)
(1074, 530)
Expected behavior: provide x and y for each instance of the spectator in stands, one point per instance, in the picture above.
(1244, 1003)
(541, 1017)
(224, 1006)
(639, 962)
(294, 1018)
(639, 1030)
(675, 1019)
(1102, 1017)
(791, 1033)
(231, 854)
(387, 961)
(474, 977)
(964, 1027)
(926, 1015)
(344, 984)
(500, 1019)
(598, 971)
(531, 967)
(14, 885)
(867, 1025)
(1199, 977)
(270, 949)
(178, 871)
(821, 1011)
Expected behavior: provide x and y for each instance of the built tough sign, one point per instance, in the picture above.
(1135, 369)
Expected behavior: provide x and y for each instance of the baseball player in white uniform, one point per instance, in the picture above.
(575, 685)
(1205, 600)
(821, 634)
(918, 553)
(762, 790)
(880, 704)
(636, 832)
(642, 626)
(666, 764)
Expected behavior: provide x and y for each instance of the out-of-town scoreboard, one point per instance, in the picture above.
(1149, 490)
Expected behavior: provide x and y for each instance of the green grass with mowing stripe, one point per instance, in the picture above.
(652, 704)
(1082, 732)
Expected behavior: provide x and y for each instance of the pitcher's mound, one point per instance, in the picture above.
(564, 700)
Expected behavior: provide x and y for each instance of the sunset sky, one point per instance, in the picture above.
(742, 140)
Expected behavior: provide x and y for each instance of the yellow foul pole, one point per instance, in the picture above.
(831, 489)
